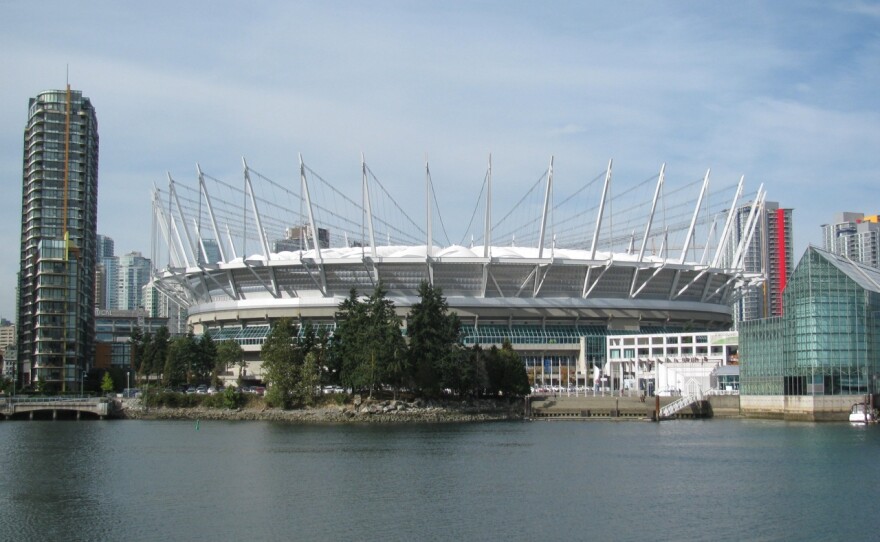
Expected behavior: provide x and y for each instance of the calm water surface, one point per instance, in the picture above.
(681, 480)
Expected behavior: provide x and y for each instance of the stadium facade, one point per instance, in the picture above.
(555, 304)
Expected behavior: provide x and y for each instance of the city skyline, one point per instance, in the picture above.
(744, 91)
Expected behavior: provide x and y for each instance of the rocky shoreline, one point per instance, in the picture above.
(361, 412)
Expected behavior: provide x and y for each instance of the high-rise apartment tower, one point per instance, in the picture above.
(56, 290)
(133, 274)
(770, 253)
(854, 236)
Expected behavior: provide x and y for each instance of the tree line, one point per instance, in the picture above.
(367, 353)
(160, 359)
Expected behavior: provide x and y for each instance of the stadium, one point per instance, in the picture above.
(554, 276)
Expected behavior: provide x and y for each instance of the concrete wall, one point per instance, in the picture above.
(799, 407)
(724, 406)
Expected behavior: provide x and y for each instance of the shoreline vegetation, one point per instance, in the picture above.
(358, 411)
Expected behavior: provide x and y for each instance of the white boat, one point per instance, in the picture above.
(862, 413)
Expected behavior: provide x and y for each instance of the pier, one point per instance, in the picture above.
(610, 407)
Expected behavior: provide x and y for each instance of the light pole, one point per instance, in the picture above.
(128, 382)
(82, 383)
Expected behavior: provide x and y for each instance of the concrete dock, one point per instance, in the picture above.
(610, 407)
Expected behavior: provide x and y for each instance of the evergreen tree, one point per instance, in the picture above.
(182, 355)
(468, 374)
(506, 372)
(367, 344)
(137, 342)
(159, 350)
(281, 363)
(385, 343)
(206, 360)
(434, 340)
(145, 355)
(346, 348)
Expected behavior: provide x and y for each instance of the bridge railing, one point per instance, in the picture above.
(66, 399)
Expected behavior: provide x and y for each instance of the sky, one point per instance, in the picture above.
(784, 93)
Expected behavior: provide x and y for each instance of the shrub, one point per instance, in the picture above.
(230, 398)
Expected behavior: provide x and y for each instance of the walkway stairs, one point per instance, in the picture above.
(679, 404)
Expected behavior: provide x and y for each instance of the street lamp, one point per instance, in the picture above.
(82, 383)
(128, 382)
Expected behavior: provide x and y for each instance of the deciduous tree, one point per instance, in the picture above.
(229, 354)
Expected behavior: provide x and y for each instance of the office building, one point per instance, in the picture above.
(56, 289)
(854, 236)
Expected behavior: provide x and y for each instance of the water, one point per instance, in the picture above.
(693, 480)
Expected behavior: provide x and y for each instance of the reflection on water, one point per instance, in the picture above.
(153, 480)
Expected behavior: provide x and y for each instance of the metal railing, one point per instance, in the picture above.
(679, 404)
(22, 399)
(716, 391)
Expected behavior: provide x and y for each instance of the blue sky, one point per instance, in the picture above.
(785, 93)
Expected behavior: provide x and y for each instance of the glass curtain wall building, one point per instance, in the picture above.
(56, 293)
(828, 340)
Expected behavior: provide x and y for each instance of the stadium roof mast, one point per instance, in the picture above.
(368, 209)
(547, 195)
(429, 245)
(487, 235)
(595, 242)
(601, 210)
(183, 251)
(635, 277)
(249, 189)
(725, 233)
(162, 224)
(204, 190)
(653, 209)
(751, 222)
(305, 191)
(313, 226)
(749, 231)
(690, 234)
